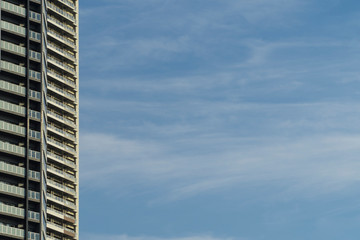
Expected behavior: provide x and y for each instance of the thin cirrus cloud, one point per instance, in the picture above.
(175, 30)
(126, 237)
(254, 102)
(187, 167)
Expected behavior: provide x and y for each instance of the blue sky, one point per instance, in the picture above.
(220, 119)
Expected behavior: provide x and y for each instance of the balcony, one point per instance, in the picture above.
(5, 167)
(11, 148)
(16, 49)
(18, 30)
(61, 132)
(13, 108)
(61, 38)
(19, 70)
(14, 149)
(61, 105)
(61, 51)
(61, 92)
(61, 201)
(16, 170)
(18, 212)
(34, 114)
(13, 88)
(34, 154)
(60, 228)
(61, 174)
(61, 160)
(61, 78)
(52, 238)
(13, 68)
(34, 94)
(13, 48)
(13, 8)
(18, 191)
(12, 128)
(35, 16)
(61, 215)
(9, 127)
(11, 231)
(19, 11)
(61, 119)
(68, 3)
(62, 25)
(61, 187)
(61, 12)
(61, 65)
(18, 110)
(62, 146)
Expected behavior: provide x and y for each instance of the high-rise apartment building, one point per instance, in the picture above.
(39, 92)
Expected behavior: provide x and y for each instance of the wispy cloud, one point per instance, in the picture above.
(126, 237)
(175, 31)
(186, 167)
(252, 104)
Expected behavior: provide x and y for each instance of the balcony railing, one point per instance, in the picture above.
(13, 8)
(66, 175)
(18, 109)
(19, 30)
(52, 238)
(61, 159)
(12, 169)
(18, 129)
(16, 211)
(61, 213)
(61, 78)
(59, 199)
(18, 170)
(61, 104)
(69, 3)
(5, 187)
(61, 118)
(34, 94)
(61, 24)
(12, 127)
(19, 10)
(12, 148)
(60, 226)
(63, 187)
(5, 146)
(61, 64)
(62, 38)
(59, 144)
(18, 89)
(12, 47)
(12, 107)
(66, 93)
(62, 132)
(17, 232)
(19, 70)
(19, 50)
(13, 68)
(61, 12)
(62, 51)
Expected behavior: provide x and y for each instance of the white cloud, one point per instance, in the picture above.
(311, 166)
(192, 149)
(268, 12)
(126, 237)
(173, 29)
